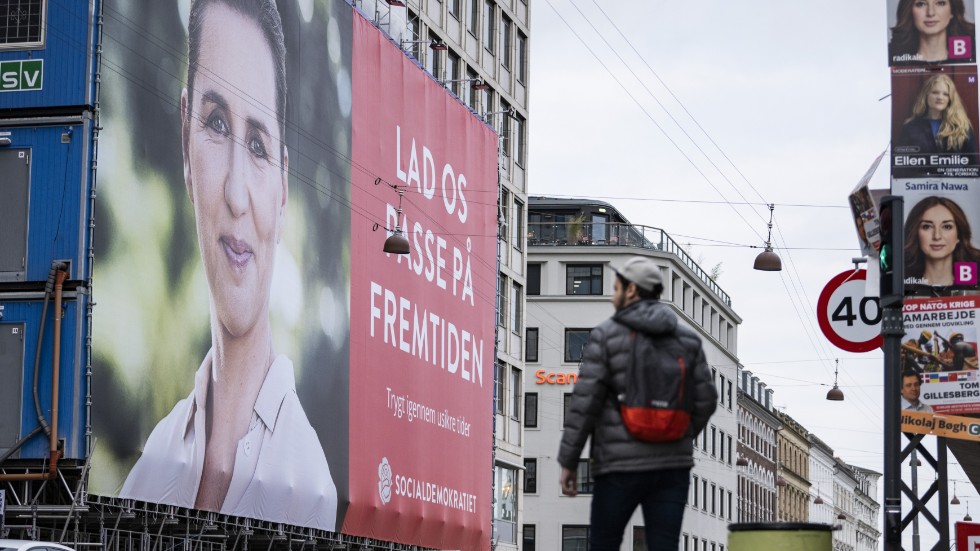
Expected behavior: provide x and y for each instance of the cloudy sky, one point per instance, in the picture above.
(691, 116)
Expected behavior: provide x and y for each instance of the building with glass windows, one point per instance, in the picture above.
(572, 245)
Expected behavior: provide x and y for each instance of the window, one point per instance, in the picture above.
(505, 128)
(515, 394)
(531, 409)
(583, 478)
(530, 476)
(533, 279)
(521, 57)
(714, 501)
(704, 494)
(433, 59)
(489, 27)
(517, 226)
(505, 510)
(583, 279)
(502, 301)
(714, 438)
(415, 27)
(574, 538)
(454, 8)
(697, 493)
(452, 72)
(516, 307)
(529, 537)
(566, 404)
(486, 100)
(575, 340)
(498, 379)
(22, 24)
(520, 147)
(473, 21)
(531, 344)
(505, 42)
(504, 212)
(471, 93)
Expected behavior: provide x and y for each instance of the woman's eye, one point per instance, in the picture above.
(217, 123)
(257, 147)
(948, 227)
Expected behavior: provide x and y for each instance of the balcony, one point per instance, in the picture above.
(610, 234)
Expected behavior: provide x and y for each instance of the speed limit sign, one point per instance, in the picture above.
(848, 318)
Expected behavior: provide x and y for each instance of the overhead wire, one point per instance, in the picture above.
(794, 275)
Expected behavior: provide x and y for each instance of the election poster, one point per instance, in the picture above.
(943, 426)
(941, 253)
(258, 353)
(939, 355)
(934, 122)
(921, 33)
(865, 214)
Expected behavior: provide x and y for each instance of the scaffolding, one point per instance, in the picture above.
(60, 510)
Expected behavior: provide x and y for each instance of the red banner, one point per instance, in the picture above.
(422, 334)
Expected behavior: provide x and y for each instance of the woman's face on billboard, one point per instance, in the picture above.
(937, 233)
(938, 98)
(233, 169)
(931, 16)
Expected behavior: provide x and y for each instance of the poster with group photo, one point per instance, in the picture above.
(941, 251)
(922, 32)
(934, 122)
(939, 353)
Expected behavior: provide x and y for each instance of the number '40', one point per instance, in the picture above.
(868, 310)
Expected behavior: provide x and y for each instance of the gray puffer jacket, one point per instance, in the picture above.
(594, 409)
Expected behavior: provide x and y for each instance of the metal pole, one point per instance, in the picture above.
(915, 490)
(892, 331)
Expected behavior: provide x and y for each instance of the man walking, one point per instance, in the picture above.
(630, 472)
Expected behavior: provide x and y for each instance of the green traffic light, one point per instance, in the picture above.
(885, 257)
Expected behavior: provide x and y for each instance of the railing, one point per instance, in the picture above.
(617, 235)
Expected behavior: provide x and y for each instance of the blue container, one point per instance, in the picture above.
(56, 71)
(56, 162)
(20, 315)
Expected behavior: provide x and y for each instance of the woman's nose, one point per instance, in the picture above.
(236, 187)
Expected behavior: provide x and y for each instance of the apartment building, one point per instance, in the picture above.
(572, 245)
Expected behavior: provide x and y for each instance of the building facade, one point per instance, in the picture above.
(866, 509)
(793, 477)
(572, 245)
(822, 465)
(757, 447)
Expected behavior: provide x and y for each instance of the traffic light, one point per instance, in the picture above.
(891, 258)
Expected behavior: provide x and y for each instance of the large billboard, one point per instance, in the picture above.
(256, 352)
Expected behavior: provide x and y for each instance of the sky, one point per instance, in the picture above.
(681, 113)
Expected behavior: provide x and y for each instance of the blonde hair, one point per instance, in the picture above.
(955, 126)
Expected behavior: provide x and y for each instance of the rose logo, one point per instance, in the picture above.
(384, 480)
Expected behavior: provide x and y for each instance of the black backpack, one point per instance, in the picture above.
(659, 397)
